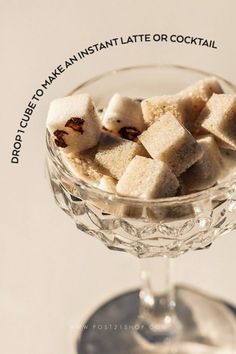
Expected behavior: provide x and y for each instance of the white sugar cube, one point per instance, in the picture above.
(114, 154)
(167, 140)
(124, 116)
(147, 178)
(219, 117)
(74, 124)
(108, 184)
(205, 172)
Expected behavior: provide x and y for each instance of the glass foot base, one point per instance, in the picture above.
(207, 326)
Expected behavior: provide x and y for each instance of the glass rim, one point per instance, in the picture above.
(150, 66)
(77, 182)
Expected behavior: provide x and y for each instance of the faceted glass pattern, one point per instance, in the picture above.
(146, 229)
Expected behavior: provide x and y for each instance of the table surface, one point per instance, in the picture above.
(52, 276)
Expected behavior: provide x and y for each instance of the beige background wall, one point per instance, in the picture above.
(51, 275)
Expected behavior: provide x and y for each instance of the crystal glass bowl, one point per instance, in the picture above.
(151, 228)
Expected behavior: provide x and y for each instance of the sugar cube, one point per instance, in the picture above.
(74, 124)
(154, 107)
(115, 153)
(200, 92)
(147, 178)
(124, 116)
(219, 117)
(186, 105)
(205, 172)
(167, 140)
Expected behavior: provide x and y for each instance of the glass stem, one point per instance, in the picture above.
(157, 320)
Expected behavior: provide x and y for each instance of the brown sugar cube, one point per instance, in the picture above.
(167, 140)
(186, 105)
(115, 153)
(200, 93)
(205, 172)
(147, 178)
(219, 118)
(154, 107)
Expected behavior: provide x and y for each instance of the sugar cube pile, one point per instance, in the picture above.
(163, 146)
